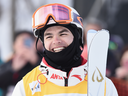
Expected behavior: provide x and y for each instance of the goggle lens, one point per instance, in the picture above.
(59, 13)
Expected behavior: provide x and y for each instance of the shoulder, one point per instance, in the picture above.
(6, 68)
(32, 72)
(108, 81)
(31, 76)
(19, 89)
(110, 88)
(6, 64)
(23, 85)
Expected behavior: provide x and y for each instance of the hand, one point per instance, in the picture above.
(121, 72)
(18, 62)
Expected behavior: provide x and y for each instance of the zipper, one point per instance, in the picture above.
(66, 81)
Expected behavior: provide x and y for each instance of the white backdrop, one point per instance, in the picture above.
(23, 17)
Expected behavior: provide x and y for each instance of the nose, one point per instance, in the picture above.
(56, 40)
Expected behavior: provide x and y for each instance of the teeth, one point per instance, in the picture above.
(58, 49)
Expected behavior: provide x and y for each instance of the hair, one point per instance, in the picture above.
(18, 33)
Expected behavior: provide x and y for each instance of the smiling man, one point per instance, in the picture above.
(63, 71)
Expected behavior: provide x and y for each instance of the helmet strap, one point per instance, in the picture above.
(42, 55)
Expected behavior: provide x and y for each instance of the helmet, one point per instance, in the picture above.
(56, 14)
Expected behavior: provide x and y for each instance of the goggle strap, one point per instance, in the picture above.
(49, 19)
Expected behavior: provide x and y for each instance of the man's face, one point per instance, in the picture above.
(57, 38)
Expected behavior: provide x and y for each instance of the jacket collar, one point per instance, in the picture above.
(56, 76)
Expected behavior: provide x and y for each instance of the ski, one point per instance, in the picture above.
(90, 35)
(97, 59)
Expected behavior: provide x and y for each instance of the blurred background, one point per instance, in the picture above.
(16, 15)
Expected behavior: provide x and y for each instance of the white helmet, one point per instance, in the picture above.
(56, 14)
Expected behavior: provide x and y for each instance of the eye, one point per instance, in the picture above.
(63, 34)
(48, 37)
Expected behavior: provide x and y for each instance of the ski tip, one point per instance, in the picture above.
(92, 31)
(103, 30)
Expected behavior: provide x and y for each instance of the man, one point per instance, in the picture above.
(63, 71)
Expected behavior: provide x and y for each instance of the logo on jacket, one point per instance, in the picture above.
(55, 76)
(35, 87)
(77, 76)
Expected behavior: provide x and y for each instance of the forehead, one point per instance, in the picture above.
(56, 29)
(22, 36)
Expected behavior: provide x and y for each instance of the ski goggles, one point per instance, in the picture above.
(60, 13)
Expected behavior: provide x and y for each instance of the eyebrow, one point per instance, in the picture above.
(63, 30)
(47, 34)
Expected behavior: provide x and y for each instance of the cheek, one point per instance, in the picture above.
(18, 46)
(69, 40)
(47, 45)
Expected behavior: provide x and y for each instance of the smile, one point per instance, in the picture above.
(58, 49)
